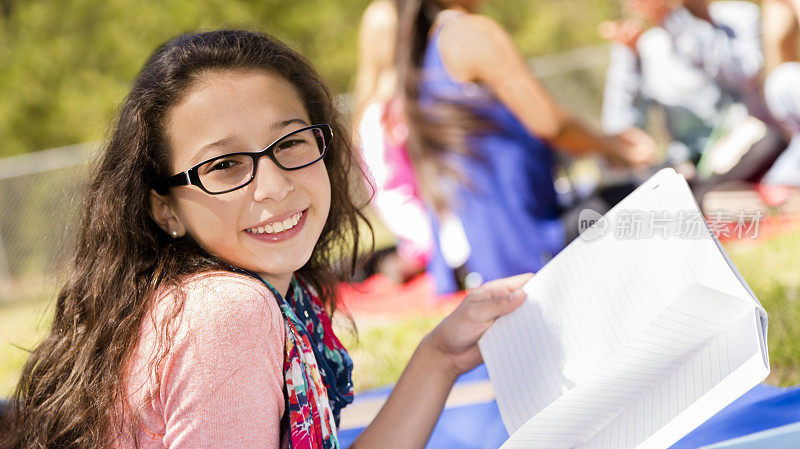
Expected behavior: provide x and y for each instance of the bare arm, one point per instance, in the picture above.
(411, 411)
(780, 32)
(476, 49)
(376, 49)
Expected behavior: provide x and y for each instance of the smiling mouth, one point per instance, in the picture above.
(277, 226)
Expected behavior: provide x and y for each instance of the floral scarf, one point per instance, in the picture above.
(317, 370)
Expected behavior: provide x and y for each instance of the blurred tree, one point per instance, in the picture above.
(5, 8)
(65, 64)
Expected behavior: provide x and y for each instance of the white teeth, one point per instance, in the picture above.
(278, 226)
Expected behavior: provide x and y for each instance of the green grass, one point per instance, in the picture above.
(23, 323)
(773, 271)
(383, 348)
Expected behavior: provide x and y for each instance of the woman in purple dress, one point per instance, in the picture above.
(481, 135)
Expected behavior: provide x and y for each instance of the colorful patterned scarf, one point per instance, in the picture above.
(317, 369)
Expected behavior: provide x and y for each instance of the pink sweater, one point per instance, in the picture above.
(221, 382)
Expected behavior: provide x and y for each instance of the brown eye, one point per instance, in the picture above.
(288, 144)
(222, 165)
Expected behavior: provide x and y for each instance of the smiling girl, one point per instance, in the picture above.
(198, 310)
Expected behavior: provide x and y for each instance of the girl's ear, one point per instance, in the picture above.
(162, 213)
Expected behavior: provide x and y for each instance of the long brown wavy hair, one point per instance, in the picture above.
(436, 131)
(73, 382)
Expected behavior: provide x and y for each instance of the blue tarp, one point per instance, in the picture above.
(479, 426)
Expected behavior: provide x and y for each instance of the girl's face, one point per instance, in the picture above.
(244, 111)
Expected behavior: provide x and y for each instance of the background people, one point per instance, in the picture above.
(382, 135)
(781, 18)
(701, 65)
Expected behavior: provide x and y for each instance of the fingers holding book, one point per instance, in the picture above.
(455, 339)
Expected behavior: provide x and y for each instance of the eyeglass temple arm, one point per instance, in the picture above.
(179, 179)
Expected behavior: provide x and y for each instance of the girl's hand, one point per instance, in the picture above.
(455, 340)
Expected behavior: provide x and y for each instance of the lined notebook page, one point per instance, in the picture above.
(646, 385)
(606, 332)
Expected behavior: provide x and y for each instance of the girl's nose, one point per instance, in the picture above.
(271, 182)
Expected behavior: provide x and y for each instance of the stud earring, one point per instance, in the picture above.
(174, 234)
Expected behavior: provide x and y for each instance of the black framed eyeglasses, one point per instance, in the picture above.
(226, 173)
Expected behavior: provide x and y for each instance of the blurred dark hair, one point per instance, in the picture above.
(73, 383)
(435, 130)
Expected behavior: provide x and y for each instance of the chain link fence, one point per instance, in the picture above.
(41, 193)
(39, 199)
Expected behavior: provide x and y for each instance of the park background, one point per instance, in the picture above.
(65, 65)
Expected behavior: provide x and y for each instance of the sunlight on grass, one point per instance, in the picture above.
(383, 348)
(24, 323)
(773, 272)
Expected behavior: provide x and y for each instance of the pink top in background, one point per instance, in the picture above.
(397, 197)
(221, 382)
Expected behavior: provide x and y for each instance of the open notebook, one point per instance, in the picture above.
(632, 336)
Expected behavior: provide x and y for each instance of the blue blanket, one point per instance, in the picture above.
(479, 426)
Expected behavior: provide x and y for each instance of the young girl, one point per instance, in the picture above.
(198, 311)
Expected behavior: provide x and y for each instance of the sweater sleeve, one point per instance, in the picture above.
(222, 380)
